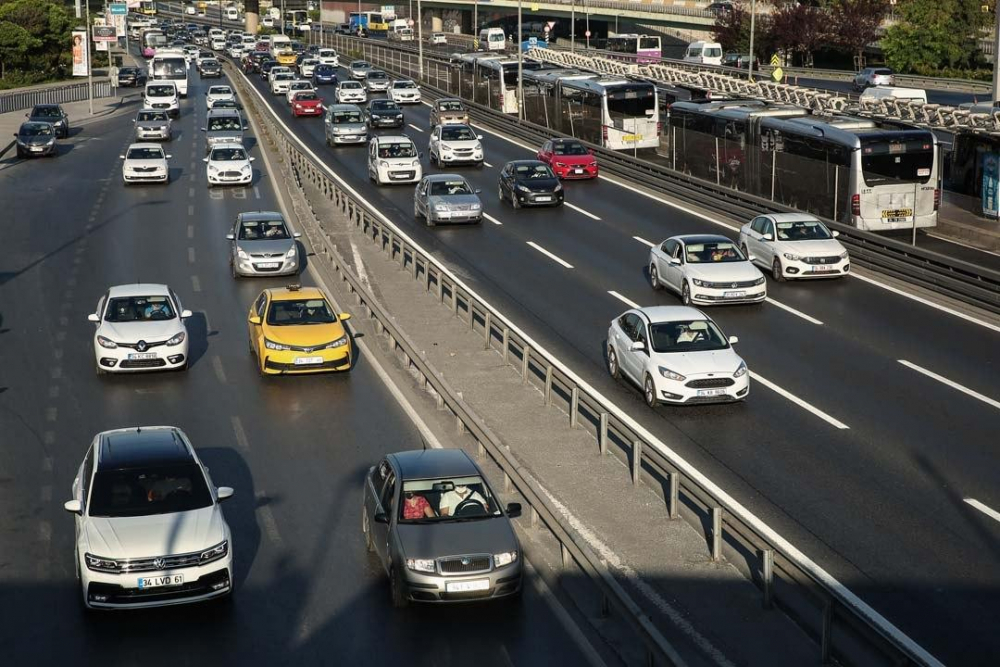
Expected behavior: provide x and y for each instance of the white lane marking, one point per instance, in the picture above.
(644, 241)
(190, 231)
(191, 209)
(190, 192)
(267, 518)
(927, 302)
(256, 192)
(44, 531)
(195, 284)
(487, 164)
(241, 435)
(954, 385)
(51, 414)
(992, 513)
(220, 372)
(799, 402)
(964, 245)
(580, 210)
(415, 127)
(47, 462)
(629, 302)
(797, 313)
(46, 493)
(190, 255)
(492, 219)
(548, 254)
(359, 266)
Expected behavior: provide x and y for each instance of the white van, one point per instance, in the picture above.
(162, 95)
(492, 39)
(393, 158)
(704, 53)
(877, 93)
(232, 14)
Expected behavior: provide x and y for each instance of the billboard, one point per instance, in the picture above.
(81, 54)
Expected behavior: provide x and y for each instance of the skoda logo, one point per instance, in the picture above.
(158, 563)
(141, 346)
(466, 561)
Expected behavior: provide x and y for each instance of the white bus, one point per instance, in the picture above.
(492, 39)
(491, 79)
(167, 66)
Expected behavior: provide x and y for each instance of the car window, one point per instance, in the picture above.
(260, 304)
(160, 91)
(569, 148)
(639, 327)
(688, 336)
(757, 225)
(139, 309)
(346, 117)
(149, 490)
(224, 124)
(803, 230)
(456, 133)
(713, 252)
(448, 498)
(88, 472)
(627, 325)
(306, 96)
(397, 149)
(388, 490)
(448, 188)
(227, 154)
(450, 105)
(293, 312)
(535, 171)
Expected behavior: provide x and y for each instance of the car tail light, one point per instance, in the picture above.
(937, 198)
(856, 205)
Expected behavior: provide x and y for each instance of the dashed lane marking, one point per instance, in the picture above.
(241, 435)
(492, 219)
(548, 254)
(951, 383)
(988, 511)
(805, 405)
(580, 210)
(629, 302)
(220, 372)
(797, 313)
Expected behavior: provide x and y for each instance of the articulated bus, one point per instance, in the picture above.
(150, 41)
(147, 7)
(614, 112)
(645, 48)
(873, 175)
(490, 79)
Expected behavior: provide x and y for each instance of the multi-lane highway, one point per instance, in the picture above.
(295, 449)
(870, 417)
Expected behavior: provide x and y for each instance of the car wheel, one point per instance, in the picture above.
(776, 271)
(399, 600)
(100, 371)
(654, 277)
(649, 391)
(515, 202)
(613, 369)
(686, 294)
(366, 527)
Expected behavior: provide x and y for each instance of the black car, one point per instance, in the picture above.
(35, 139)
(51, 113)
(210, 68)
(265, 68)
(383, 113)
(131, 77)
(257, 58)
(529, 183)
(313, 48)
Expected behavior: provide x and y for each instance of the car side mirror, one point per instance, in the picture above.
(381, 517)
(254, 319)
(169, 156)
(73, 506)
(121, 157)
(94, 317)
(836, 233)
(590, 150)
(514, 510)
(15, 134)
(638, 346)
(224, 493)
(344, 316)
(676, 261)
(768, 237)
(204, 159)
(478, 191)
(185, 314)
(479, 136)
(204, 130)
(296, 235)
(231, 237)
(420, 155)
(733, 340)
(253, 159)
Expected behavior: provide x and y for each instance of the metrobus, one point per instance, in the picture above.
(490, 79)
(299, 19)
(645, 48)
(169, 66)
(150, 41)
(147, 7)
(874, 175)
(492, 39)
(610, 111)
(371, 22)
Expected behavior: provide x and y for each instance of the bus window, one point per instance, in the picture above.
(901, 162)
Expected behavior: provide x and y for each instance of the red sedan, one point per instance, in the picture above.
(569, 158)
(307, 103)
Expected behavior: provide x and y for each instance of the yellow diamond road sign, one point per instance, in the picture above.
(774, 60)
(777, 74)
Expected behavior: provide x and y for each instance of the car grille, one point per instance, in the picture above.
(230, 174)
(710, 383)
(142, 363)
(461, 207)
(721, 398)
(135, 346)
(143, 170)
(821, 260)
(326, 365)
(167, 563)
(160, 105)
(216, 582)
(465, 564)
(266, 255)
(731, 285)
(402, 175)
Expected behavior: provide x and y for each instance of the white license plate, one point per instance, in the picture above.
(734, 295)
(142, 355)
(349, 137)
(463, 586)
(820, 268)
(578, 171)
(268, 265)
(543, 198)
(305, 361)
(711, 392)
(156, 582)
(896, 219)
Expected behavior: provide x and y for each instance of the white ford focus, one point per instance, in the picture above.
(705, 269)
(794, 245)
(149, 528)
(228, 164)
(676, 354)
(140, 327)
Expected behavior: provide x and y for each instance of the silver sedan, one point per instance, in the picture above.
(447, 198)
(261, 245)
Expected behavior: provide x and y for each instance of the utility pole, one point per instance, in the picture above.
(753, 16)
(420, 39)
(572, 26)
(90, 63)
(475, 23)
(520, 64)
(996, 59)
(586, 8)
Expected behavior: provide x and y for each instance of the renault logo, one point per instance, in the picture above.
(158, 563)
(141, 346)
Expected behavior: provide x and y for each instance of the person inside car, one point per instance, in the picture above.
(415, 506)
(450, 500)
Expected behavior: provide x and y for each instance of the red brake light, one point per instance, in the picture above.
(856, 205)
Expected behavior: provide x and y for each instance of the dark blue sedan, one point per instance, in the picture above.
(325, 74)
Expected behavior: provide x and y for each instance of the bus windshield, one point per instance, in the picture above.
(169, 68)
(646, 42)
(631, 101)
(884, 162)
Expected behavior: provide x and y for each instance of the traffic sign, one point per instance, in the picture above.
(532, 41)
(534, 6)
(119, 8)
(775, 61)
(586, 34)
(409, 22)
(777, 74)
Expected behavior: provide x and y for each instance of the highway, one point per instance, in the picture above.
(295, 449)
(853, 444)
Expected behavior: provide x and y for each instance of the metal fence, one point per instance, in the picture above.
(847, 629)
(25, 98)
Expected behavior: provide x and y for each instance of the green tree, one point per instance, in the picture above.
(34, 40)
(931, 34)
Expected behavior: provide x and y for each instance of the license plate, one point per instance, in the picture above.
(268, 265)
(142, 355)
(349, 137)
(734, 295)
(464, 586)
(895, 219)
(305, 361)
(820, 268)
(711, 392)
(897, 213)
(37, 149)
(578, 171)
(156, 582)
(546, 198)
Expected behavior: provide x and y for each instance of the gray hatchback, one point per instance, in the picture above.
(262, 245)
(439, 530)
(447, 198)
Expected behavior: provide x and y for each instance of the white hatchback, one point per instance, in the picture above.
(393, 159)
(228, 164)
(145, 163)
(140, 327)
(676, 354)
(297, 86)
(328, 57)
(351, 92)
(280, 83)
(705, 269)
(216, 93)
(794, 245)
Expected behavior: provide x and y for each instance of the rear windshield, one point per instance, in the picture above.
(885, 162)
(883, 70)
(150, 490)
(632, 101)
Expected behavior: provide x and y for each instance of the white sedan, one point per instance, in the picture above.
(297, 86)
(280, 83)
(149, 528)
(676, 354)
(216, 93)
(140, 327)
(705, 269)
(228, 164)
(307, 67)
(145, 163)
(351, 92)
(794, 245)
(404, 91)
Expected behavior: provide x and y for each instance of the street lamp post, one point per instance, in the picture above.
(753, 16)
(475, 23)
(420, 40)
(572, 26)
(586, 8)
(996, 61)
(520, 65)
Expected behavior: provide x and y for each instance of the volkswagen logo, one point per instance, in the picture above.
(466, 561)
(141, 346)
(734, 285)
(158, 563)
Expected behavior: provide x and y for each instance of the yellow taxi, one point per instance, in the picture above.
(293, 329)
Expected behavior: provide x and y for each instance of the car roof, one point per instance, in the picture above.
(703, 238)
(228, 144)
(430, 463)
(147, 144)
(286, 294)
(444, 177)
(792, 217)
(141, 447)
(222, 111)
(531, 163)
(35, 123)
(45, 106)
(137, 289)
(672, 313)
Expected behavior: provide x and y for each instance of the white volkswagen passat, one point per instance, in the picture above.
(140, 327)
(676, 354)
(404, 91)
(705, 269)
(145, 163)
(228, 164)
(794, 245)
(216, 93)
(149, 528)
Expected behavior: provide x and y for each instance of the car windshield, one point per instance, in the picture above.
(383, 105)
(160, 91)
(223, 124)
(128, 71)
(212, 62)
(144, 154)
(152, 116)
(691, 336)
(324, 69)
(263, 230)
(36, 130)
(228, 154)
(450, 105)
(360, 64)
(350, 85)
(347, 117)
(307, 96)
(803, 230)
(149, 490)
(284, 76)
(713, 252)
(446, 188)
(300, 311)
(377, 75)
(139, 309)
(533, 171)
(224, 104)
(456, 133)
(220, 90)
(569, 148)
(446, 499)
(327, 53)
(397, 149)
(401, 85)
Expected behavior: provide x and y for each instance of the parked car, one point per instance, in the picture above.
(874, 76)
(529, 183)
(131, 77)
(794, 245)
(447, 198)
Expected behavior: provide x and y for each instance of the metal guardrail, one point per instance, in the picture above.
(846, 626)
(25, 98)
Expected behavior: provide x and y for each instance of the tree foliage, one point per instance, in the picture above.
(935, 34)
(856, 23)
(34, 40)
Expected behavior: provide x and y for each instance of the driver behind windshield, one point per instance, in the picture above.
(450, 500)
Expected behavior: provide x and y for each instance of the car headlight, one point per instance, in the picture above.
(212, 169)
(340, 342)
(558, 187)
(505, 558)
(383, 164)
(177, 339)
(420, 564)
(670, 375)
(446, 147)
(741, 370)
(99, 564)
(699, 283)
(271, 345)
(291, 252)
(106, 343)
(791, 256)
(50, 141)
(399, 116)
(215, 553)
(298, 106)
(245, 169)
(843, 255)
(416, 163)
(523, 188)
(560, 164)
(440, 208)
(476, 207)
(593, 164)
(759, 281)
(242, 254)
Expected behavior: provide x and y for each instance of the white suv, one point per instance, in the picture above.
(149, 527)
(393, 159)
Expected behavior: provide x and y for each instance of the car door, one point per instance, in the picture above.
(372, 153)
(380, 531)
(621, 340)
(420, 197)
(81, 487)
(434, 146)
(545, 153)
(670, 272)
(258, 308)
(766, 248)
(752, 236)
(639, 357)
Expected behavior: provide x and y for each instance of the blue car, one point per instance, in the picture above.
(325, 74)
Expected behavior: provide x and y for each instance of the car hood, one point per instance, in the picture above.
(309, 103)
(349, 128)
(156, 535)
(263, 246)
(456, 538)
(131, 332)
(724, 362)
(815, 248)
(386, 112)
(305, 335)
(45, 119)
(399, 161)
(453, 200)
(723, 271)
(460, 144)
(152, 124)
(406, 91)
(539, 184)
(37, 140)
(229, 165)
(133, 164)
